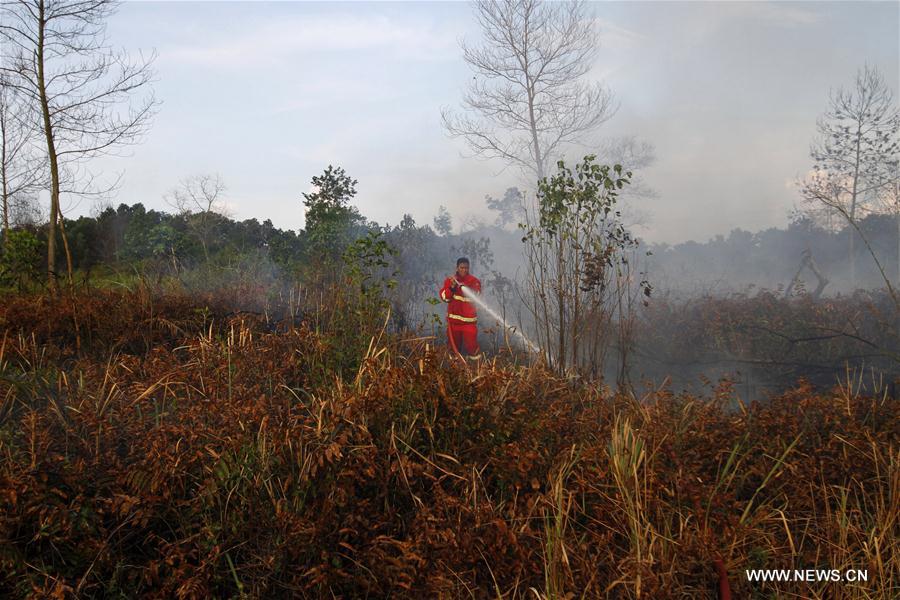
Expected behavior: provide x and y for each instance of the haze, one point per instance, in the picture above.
(268, 94)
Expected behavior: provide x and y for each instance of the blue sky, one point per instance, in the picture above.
(267, 94)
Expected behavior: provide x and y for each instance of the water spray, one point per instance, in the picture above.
(482, 304)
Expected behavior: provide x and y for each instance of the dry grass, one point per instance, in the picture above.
(169, 450)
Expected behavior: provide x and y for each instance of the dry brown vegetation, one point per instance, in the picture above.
(160, 447)
(781, 339)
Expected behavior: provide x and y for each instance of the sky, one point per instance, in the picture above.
(268, 94)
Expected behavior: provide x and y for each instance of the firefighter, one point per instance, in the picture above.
(462, 320)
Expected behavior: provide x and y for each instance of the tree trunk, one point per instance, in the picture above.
(65, 241)
(561, 304)
(576, 319)
(538, 156)
(3, 175)
(897, 209)
(544, 273)
(51, 153)
(853, 207)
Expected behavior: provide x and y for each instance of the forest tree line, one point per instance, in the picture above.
(130, 236)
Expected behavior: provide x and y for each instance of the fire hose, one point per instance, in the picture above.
(450, 332)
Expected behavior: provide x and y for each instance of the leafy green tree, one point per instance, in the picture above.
(580, 280)
(285, 247)
(367, 261)
(162, 240)
(357, 304)
(20, 261)
(137, 232)
(510, 208)
(331, 222)
(82, 234)
(443, 222)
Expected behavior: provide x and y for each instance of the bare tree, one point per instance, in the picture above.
(529, 97)
(21, 172)
(199, 201)
(831, 191)
(856, 152)
(25, 210)
(80, 91)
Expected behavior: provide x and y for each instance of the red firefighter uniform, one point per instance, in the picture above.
(462, 320)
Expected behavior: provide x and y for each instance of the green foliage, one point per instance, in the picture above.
(20, 261)
(142, 235)
(578, 254)
(162, 240)
(133, 237)
(82, 236)
(330, 220)
(581, 207)
(510, 208)
(367, 272)
(413, 251)
(443, 222)
(350, 310)
(572, 201)
(366, 257)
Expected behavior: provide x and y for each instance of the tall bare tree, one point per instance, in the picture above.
(199, 199)
(20, 170)
(856, 152)
(81, 91)
(529, 96)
